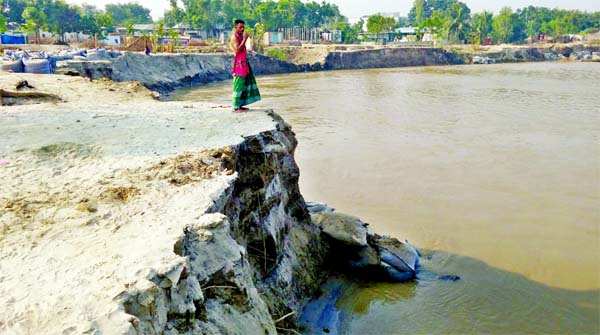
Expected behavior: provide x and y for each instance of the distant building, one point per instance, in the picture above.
(182, 28)
(138, 29)
(46, 34)
(406, 33)
(383, 37)
(76, 37)
(113, 39)
(141, 29)
(185, 29)
(196, 35)
(334, 36)
(273, 37)
(302, 35)
(181, 40)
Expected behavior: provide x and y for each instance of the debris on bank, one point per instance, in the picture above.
(482, 60)
(39, 62)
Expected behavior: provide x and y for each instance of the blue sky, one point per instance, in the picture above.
(355, 8)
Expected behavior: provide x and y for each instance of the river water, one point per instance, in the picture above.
(493, 171)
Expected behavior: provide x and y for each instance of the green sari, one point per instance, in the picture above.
(245, 90)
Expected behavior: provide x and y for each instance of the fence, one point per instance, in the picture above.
(312, 35)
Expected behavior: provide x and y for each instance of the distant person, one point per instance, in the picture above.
(245, 89)
(148, 48)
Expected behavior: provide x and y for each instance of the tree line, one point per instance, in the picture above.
(58, 16)
(219, 14)
(450, 20)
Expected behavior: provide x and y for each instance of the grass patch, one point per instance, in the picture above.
(277, 54)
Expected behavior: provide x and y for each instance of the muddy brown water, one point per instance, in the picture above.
(496, 169)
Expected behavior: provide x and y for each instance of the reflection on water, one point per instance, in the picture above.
(485, 301)
(500, 163)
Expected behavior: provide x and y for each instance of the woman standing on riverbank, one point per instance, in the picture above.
(245, 89)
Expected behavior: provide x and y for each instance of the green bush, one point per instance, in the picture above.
(3, 26)
(277, 54)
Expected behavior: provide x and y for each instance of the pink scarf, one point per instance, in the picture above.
(240, 62)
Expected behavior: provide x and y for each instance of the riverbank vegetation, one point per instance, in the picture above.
(442, 20)
(453, 21)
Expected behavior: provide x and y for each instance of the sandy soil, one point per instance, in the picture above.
(316, 53)
(96, 190)
(34, 47)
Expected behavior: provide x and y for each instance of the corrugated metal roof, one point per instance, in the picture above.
(407, 30)
(181, 26)
(144, 26)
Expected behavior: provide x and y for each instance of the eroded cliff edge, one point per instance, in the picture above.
(120, 214)
(165, 72)
(134, 216)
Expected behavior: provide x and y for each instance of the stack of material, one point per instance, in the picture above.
(37, 62)
(11, 65)
(45, 63)
(84, 55)
(65, 55)
(37, 65)
(22, 61)
(11, 62)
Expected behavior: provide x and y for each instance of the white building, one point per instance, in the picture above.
(144, 29)
(76, 37)
(273, 37)
(112, 40)
(182, 28)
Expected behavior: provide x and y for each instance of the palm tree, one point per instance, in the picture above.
(174, 39)
(157, 35)
(458, 21)
(433, 25)
(482, 26)
(129, 31)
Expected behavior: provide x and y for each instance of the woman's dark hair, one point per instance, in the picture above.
(239, 21)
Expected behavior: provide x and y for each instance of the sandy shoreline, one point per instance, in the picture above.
(110, 208)
(88, 187)
(166, 72)
(121, 214)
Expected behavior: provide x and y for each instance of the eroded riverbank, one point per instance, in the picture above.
(88, 169)
(166, 72)
(123, 214)
(493, 168)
